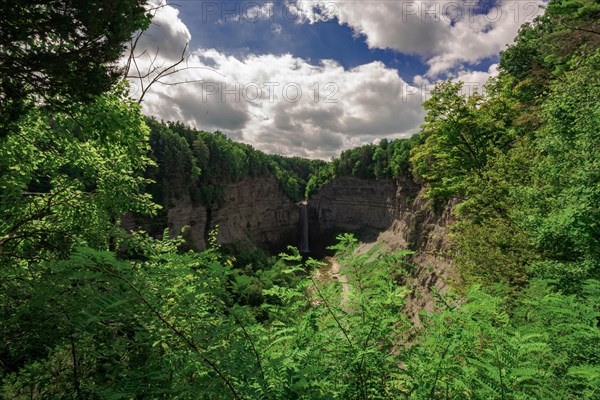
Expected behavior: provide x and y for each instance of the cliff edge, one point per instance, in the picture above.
(397, 214)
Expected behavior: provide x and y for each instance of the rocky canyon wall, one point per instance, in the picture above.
(397, 214)
(393, 212)
(255, 211)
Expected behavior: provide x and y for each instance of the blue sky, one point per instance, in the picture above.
(282, 33)
(312, 78)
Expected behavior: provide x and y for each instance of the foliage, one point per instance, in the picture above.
(58, 52)
(88, 311)
(522, 159)
(169, 326)
(68, 177)
(342, 345)
(460, 134)
(560, 206)
(126, 325)
(494, 251)
(506, 347)
(387, 159)
(320, 178)
(200, 164)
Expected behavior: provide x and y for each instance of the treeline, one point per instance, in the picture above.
(201, 164)
(387, 159)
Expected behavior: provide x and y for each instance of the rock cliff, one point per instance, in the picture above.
(349, 203)
(395, 213)
(392, 211)
(255, 211)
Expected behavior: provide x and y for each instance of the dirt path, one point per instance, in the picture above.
(332, 271)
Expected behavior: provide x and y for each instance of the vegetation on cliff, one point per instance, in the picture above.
(387, 159)
(524, 157)
(201, 163)
(90, 312)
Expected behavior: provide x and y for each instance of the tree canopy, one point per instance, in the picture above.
(58, 52)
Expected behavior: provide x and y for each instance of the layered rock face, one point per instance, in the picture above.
(371, 208)
(255, 211)
(395, 213)
(351, 204)
(392, 212)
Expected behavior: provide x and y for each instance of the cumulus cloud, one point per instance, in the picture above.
(167, 34)
(476, 80)
(446, 33)
(473, 81)
(278, 103)
(294, 106)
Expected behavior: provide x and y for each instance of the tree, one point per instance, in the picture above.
(460, 133)
(175, 173)
(560, 204)
(201, 153)
(69, 177)
(577, 15)
(55, 52)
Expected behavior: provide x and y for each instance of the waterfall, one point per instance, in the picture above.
(304, 227)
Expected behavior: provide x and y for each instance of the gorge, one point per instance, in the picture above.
(454, 254)
(255, 211)
(391, 212)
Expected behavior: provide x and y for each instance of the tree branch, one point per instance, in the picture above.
(179, 334)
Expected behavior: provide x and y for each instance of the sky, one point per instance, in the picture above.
(312, 78)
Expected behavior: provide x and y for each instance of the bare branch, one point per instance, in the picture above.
(156, 71)
(163, 72)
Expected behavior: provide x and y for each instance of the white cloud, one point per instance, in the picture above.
(472, 80)
(292, 106)
(476, 80)
(281, 104)
(447, 33)
(167, 34)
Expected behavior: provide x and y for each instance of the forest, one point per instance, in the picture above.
(91, 311)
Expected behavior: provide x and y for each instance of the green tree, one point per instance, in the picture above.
(68, 176)
(560, 205)
(59, 52)
(201, 153)
(176, 167)
(459, 135)
(530, 213)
